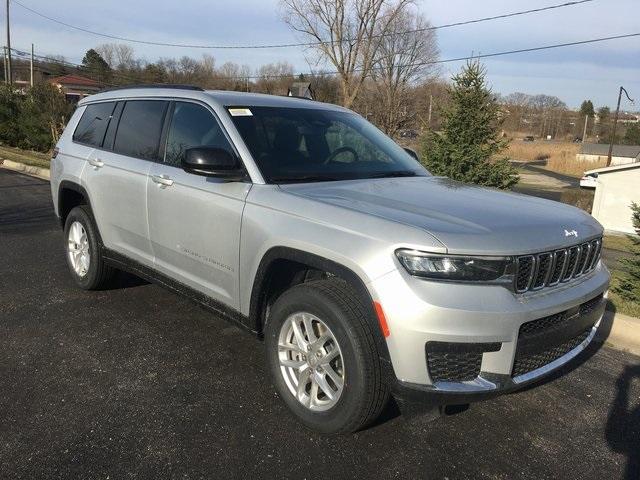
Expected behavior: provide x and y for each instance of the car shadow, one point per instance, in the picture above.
(623, 424)
(124, 279)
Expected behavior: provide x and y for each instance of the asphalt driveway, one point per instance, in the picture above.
(136, 382)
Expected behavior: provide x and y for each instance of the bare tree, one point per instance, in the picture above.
(107, 52)
(402, 60)
(231, 76)
(124, 57)
(118, 56)
(274, 78)
(347, 33)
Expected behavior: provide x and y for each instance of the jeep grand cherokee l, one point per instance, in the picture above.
(300, 221)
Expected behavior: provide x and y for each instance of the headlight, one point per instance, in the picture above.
(455, 267)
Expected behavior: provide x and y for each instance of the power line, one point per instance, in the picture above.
(78, 66)
(417, 64)
(303, 44)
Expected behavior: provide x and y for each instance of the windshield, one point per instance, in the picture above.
(307, 145)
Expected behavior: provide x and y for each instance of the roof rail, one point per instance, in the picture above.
(154, 85)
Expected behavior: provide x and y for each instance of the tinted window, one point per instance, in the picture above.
(303, 144)
(138, 133)
(93, 124)
(192, 125)
(110, 136)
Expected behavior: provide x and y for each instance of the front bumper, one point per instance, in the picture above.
(421, 313)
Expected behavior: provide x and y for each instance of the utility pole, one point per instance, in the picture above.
(9, 76)
(584, 132)
(31, 65)
(615, 123)
(4, 63)
(430, 108)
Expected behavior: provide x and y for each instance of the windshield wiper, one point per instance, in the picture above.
(393, 173)
(304, 178)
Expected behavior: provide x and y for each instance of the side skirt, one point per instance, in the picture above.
(122, 262)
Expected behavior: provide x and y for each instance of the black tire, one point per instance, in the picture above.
(364, 394)
(99, 274)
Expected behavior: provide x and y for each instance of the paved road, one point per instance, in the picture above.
(136, 382)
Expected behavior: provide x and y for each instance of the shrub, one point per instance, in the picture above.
(628, 285)
(34, 119)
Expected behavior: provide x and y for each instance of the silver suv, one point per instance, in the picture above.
(301, 222)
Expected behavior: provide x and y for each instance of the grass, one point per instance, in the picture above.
(622, 305)
(578, 198)
(572, 167)
(541, 150)
(620, 243)
(36, 159)
(559, 156)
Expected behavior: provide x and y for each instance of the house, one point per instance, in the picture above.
(621, 155)
(628, 118)
(76, 87)
(616, 188)
(300, 89)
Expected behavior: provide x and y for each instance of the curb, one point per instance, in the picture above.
(620, 331)
(38, 172)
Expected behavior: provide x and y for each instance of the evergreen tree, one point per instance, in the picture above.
(96, 66)
(632, 135)
(604, 123)
(628, 287)
(468, 148)
(586, 109)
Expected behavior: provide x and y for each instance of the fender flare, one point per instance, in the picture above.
(320, 263)
(69, 185)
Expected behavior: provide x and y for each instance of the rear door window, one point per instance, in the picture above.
(93, 124)
(139, 129)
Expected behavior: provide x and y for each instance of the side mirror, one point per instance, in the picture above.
(412, 152)
(213, 162)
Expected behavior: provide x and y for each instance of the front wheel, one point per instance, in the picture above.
(323, 357)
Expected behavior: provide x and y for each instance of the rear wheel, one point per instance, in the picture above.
(83, 249)
(323, 357)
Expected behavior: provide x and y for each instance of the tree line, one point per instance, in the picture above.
(381, 57)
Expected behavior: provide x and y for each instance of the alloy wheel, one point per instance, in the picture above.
(78, 249)
(311, 361)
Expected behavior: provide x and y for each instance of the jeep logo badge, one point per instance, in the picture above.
(570, 233)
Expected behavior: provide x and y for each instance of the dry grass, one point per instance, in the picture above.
(540, 150)
(574, 168)
(559, 156)
(28, 157)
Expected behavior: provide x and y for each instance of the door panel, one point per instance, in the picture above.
(118, 187)
(194, 226)
(194, 221)
(117, 175)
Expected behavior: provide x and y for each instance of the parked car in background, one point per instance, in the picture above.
(589, 180)
(306, 225)
(528, 138)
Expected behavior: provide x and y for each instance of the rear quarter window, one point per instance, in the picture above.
(93, 124)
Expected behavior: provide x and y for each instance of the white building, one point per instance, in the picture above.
(617, 187)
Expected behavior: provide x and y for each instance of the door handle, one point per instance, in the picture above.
(96, 163)
(162, 180)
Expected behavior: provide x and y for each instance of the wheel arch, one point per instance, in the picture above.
(70, 195)
(271, 266)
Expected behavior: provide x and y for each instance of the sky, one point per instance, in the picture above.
(593, 71)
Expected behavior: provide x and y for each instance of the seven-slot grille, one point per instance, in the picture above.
(547, 269)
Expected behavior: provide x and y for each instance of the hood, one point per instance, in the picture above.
(467, 219)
